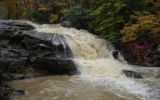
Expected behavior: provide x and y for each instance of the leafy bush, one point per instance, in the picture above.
(77, 15)
(53, 18)
(143, 54)
(110, 16)
(144, 25)
(33, 15)
(142, 36)
(107, 19)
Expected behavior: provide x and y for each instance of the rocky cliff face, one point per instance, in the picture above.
(21, 48)
(25, 53)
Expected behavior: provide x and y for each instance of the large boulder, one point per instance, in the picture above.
(6, 92)
(55, 66)
(132, 74)
(22, 46)
(66, 24)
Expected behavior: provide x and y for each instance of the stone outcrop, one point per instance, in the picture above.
(22, 47)
(132, 74)
(25, 53)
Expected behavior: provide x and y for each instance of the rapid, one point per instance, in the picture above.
(100, 75)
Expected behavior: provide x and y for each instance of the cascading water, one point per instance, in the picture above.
(91, 54)
(94, 60)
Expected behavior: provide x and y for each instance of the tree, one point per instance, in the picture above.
(15, 10)
(144, 24)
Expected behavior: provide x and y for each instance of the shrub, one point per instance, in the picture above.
(144, 24)
(143, 54)
(142, 37)
(107, 19)
(77, 15)
(33, 15)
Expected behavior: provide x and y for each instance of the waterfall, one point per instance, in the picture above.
(92, 54)
(94, 60)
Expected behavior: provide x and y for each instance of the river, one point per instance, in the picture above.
(100, 77)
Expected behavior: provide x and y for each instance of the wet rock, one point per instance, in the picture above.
(18, 92)
(55, 66)
(21, 46)
(25, 53)
(15, 25)
(17, 76)
(6, 92)
(132, 74)
(28, 75)
(13, 57)
(66, 24)
(12, 76)
(115, 54)
(6, 77)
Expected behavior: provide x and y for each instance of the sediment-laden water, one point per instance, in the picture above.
(100, 78)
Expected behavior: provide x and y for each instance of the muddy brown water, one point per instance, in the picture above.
(64, 88)
(100, 78)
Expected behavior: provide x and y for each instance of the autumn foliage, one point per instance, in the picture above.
(144, 24)
(141, 37)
